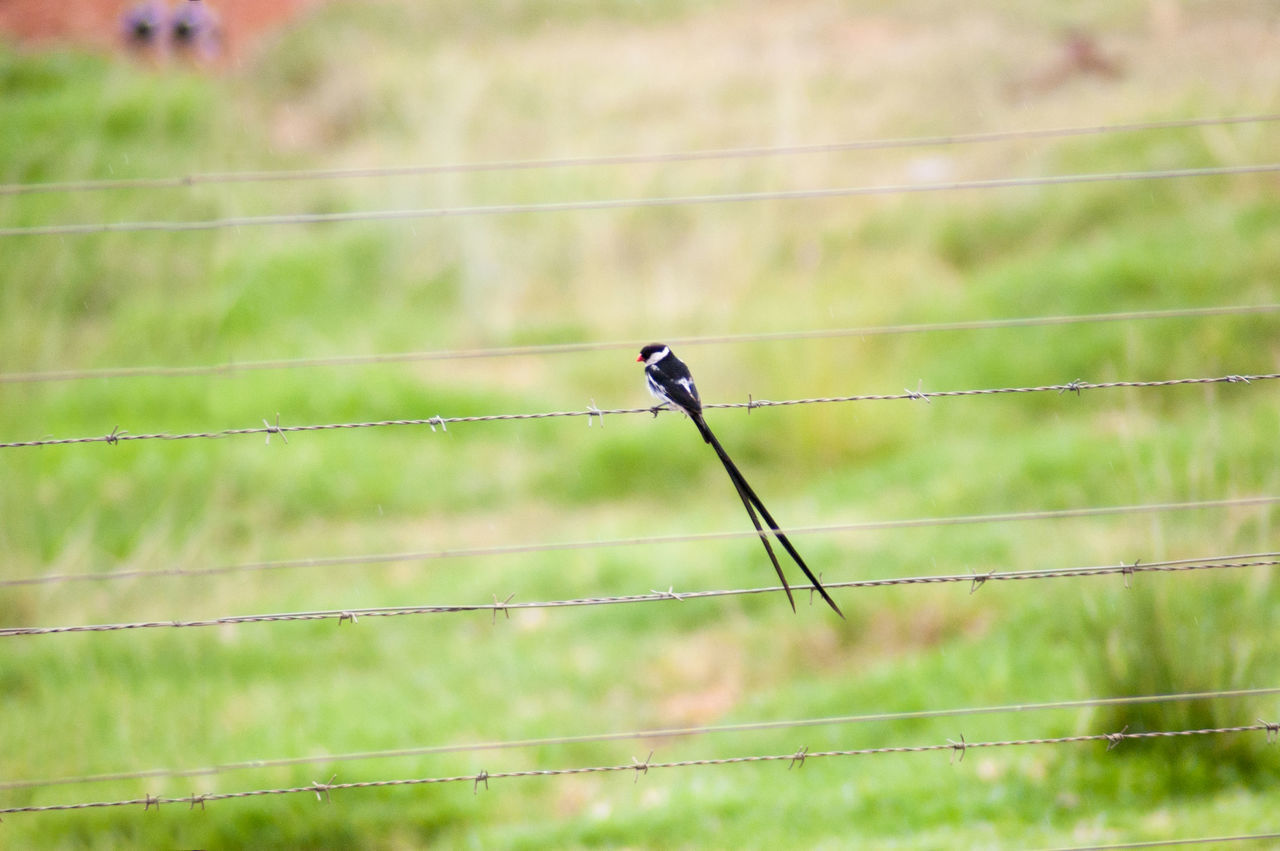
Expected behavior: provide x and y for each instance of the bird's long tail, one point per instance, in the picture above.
(753, 503)
(745, 496)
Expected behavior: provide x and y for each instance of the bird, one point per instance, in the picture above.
(671, 383)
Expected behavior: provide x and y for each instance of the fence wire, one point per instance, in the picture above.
(521, 549)
(506, 606)
(628, 203)
(117, 436)
(638, 735)
(261, 176)
(231, 367)
(1170, 843)
(957, 748)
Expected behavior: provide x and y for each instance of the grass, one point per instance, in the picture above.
(388, 84)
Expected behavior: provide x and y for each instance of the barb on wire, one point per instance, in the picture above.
(918, 393)
(1075, 386)
(506, 606)
(668, 733)
(320, 788)
(1129, 570)
(517, 549)
(813, 588)
(639, 767)
(1114, 739)
(229, 367)
(274, 429)
(189, 180)
(184, 226)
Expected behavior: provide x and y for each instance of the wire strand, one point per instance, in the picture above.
(800, 756)
(561, 546)
(118, 436)
(1169, 843)
(230, 367)
(259, 176)
(664, 733)
(628, 203)
(353, 615)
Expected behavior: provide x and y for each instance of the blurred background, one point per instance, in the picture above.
(226, 112)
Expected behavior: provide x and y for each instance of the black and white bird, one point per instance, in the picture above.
(671, 383)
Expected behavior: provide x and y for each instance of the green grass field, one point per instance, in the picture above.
(390, 83)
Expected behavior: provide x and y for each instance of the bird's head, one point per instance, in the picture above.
(653, 353)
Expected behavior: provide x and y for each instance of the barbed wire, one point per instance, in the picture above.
(665, 733)
(176, 226)
(260, 176)
(560, 546)
(958, 749)
(506, 606)
(229, 367)
(117, 436)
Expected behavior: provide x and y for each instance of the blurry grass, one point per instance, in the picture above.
(1186, 638)
(390, 83)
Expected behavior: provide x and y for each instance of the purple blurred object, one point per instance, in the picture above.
(193, 27)
(141, 25)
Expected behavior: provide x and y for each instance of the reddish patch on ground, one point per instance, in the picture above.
(99, 22)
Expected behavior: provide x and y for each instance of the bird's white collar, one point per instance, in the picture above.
(657, 356)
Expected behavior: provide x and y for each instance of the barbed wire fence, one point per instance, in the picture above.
(668, 733)
(506, 606)
(975, 581)
(268, 429)
(956, 749)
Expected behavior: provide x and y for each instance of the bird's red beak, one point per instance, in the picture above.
(640, 359)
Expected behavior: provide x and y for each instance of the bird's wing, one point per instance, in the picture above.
(678, 386)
